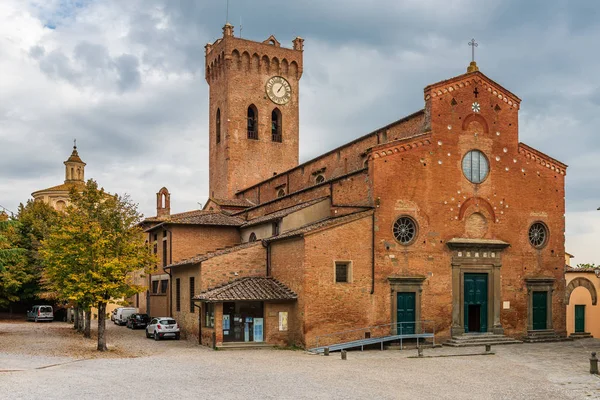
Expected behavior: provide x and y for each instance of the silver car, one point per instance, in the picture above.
(40, 313)
(163, 327)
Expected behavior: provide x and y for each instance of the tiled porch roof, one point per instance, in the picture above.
(248, 289)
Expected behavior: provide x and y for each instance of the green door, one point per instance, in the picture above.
(579, 318)
(405, 316)
(540, 310)
(476, 302)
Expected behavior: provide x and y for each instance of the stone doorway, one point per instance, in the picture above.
(476, 286)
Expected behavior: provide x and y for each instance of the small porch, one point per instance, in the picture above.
(246, 313)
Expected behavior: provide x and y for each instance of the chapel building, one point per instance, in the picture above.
(442, 221)
(58, 196)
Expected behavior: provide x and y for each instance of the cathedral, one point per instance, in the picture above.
(441, 222)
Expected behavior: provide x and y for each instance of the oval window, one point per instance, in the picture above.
(475, 166)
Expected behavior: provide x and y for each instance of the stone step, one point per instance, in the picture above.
(244, 346)
(545, 335)
(581, 335)
(451, 343)
(478, 337)
(482, 339)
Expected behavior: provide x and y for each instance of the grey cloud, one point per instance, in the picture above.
(127, 69)
(57, 65)
(36, 52)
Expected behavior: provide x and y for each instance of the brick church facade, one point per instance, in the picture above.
(442, 219)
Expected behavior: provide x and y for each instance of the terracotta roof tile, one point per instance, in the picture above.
(63, 187)
(233, 202)
(248, 289)
(199, 217)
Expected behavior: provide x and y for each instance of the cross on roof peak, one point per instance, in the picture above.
(473, 66)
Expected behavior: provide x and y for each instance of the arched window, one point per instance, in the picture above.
(320, 179)
(252, 122)
(218, 125)
(276, 126)
(252, 237)
(72, 173)
(281, 193)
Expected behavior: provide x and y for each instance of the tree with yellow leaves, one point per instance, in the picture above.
(92, 251)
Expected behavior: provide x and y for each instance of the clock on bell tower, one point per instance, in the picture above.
(253, 106)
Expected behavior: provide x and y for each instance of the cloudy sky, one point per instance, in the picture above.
(126, 78)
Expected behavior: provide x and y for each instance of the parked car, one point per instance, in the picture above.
(123, 313)
(138, 321)
(114, 313)
(163, 327)
(40, 313)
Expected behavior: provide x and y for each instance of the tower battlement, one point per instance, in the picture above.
(268, 56)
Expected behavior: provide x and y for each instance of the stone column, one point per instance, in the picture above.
(497, 301)
(457, 324)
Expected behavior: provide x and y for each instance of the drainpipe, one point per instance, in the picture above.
(373, 253)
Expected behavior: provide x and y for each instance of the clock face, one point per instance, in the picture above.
(278, 90)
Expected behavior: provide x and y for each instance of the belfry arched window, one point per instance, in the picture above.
(218, 125)
(252, 122)
(252, 237)
(276, 126)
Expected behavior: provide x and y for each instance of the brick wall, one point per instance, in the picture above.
(338, 162)
(287, 266)
(188, 321)
(329, 306)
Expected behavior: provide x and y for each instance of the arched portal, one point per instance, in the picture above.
(575, 283)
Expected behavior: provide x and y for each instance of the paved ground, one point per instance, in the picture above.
(50, 361)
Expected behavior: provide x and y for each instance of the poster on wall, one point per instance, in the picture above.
(226, 322)
(283, 321)
(258, 329)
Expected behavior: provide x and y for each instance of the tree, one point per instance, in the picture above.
(35, 220)
(91, 253)
(13, 262)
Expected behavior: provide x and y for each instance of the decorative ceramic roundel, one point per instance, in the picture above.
(538, 234)
(405, 230)
(475, 166)
(475, 107)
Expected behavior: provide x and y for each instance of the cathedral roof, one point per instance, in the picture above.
(65, 187)
(248, 289)
(242, 203)
(197, 217)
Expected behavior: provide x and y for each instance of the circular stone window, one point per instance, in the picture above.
(475, 166)
(538, 235)
(405, 230)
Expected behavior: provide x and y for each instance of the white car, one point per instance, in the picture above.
(123, 313)
(163, 327)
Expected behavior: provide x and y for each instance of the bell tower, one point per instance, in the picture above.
(253, 110)
(74, 167)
